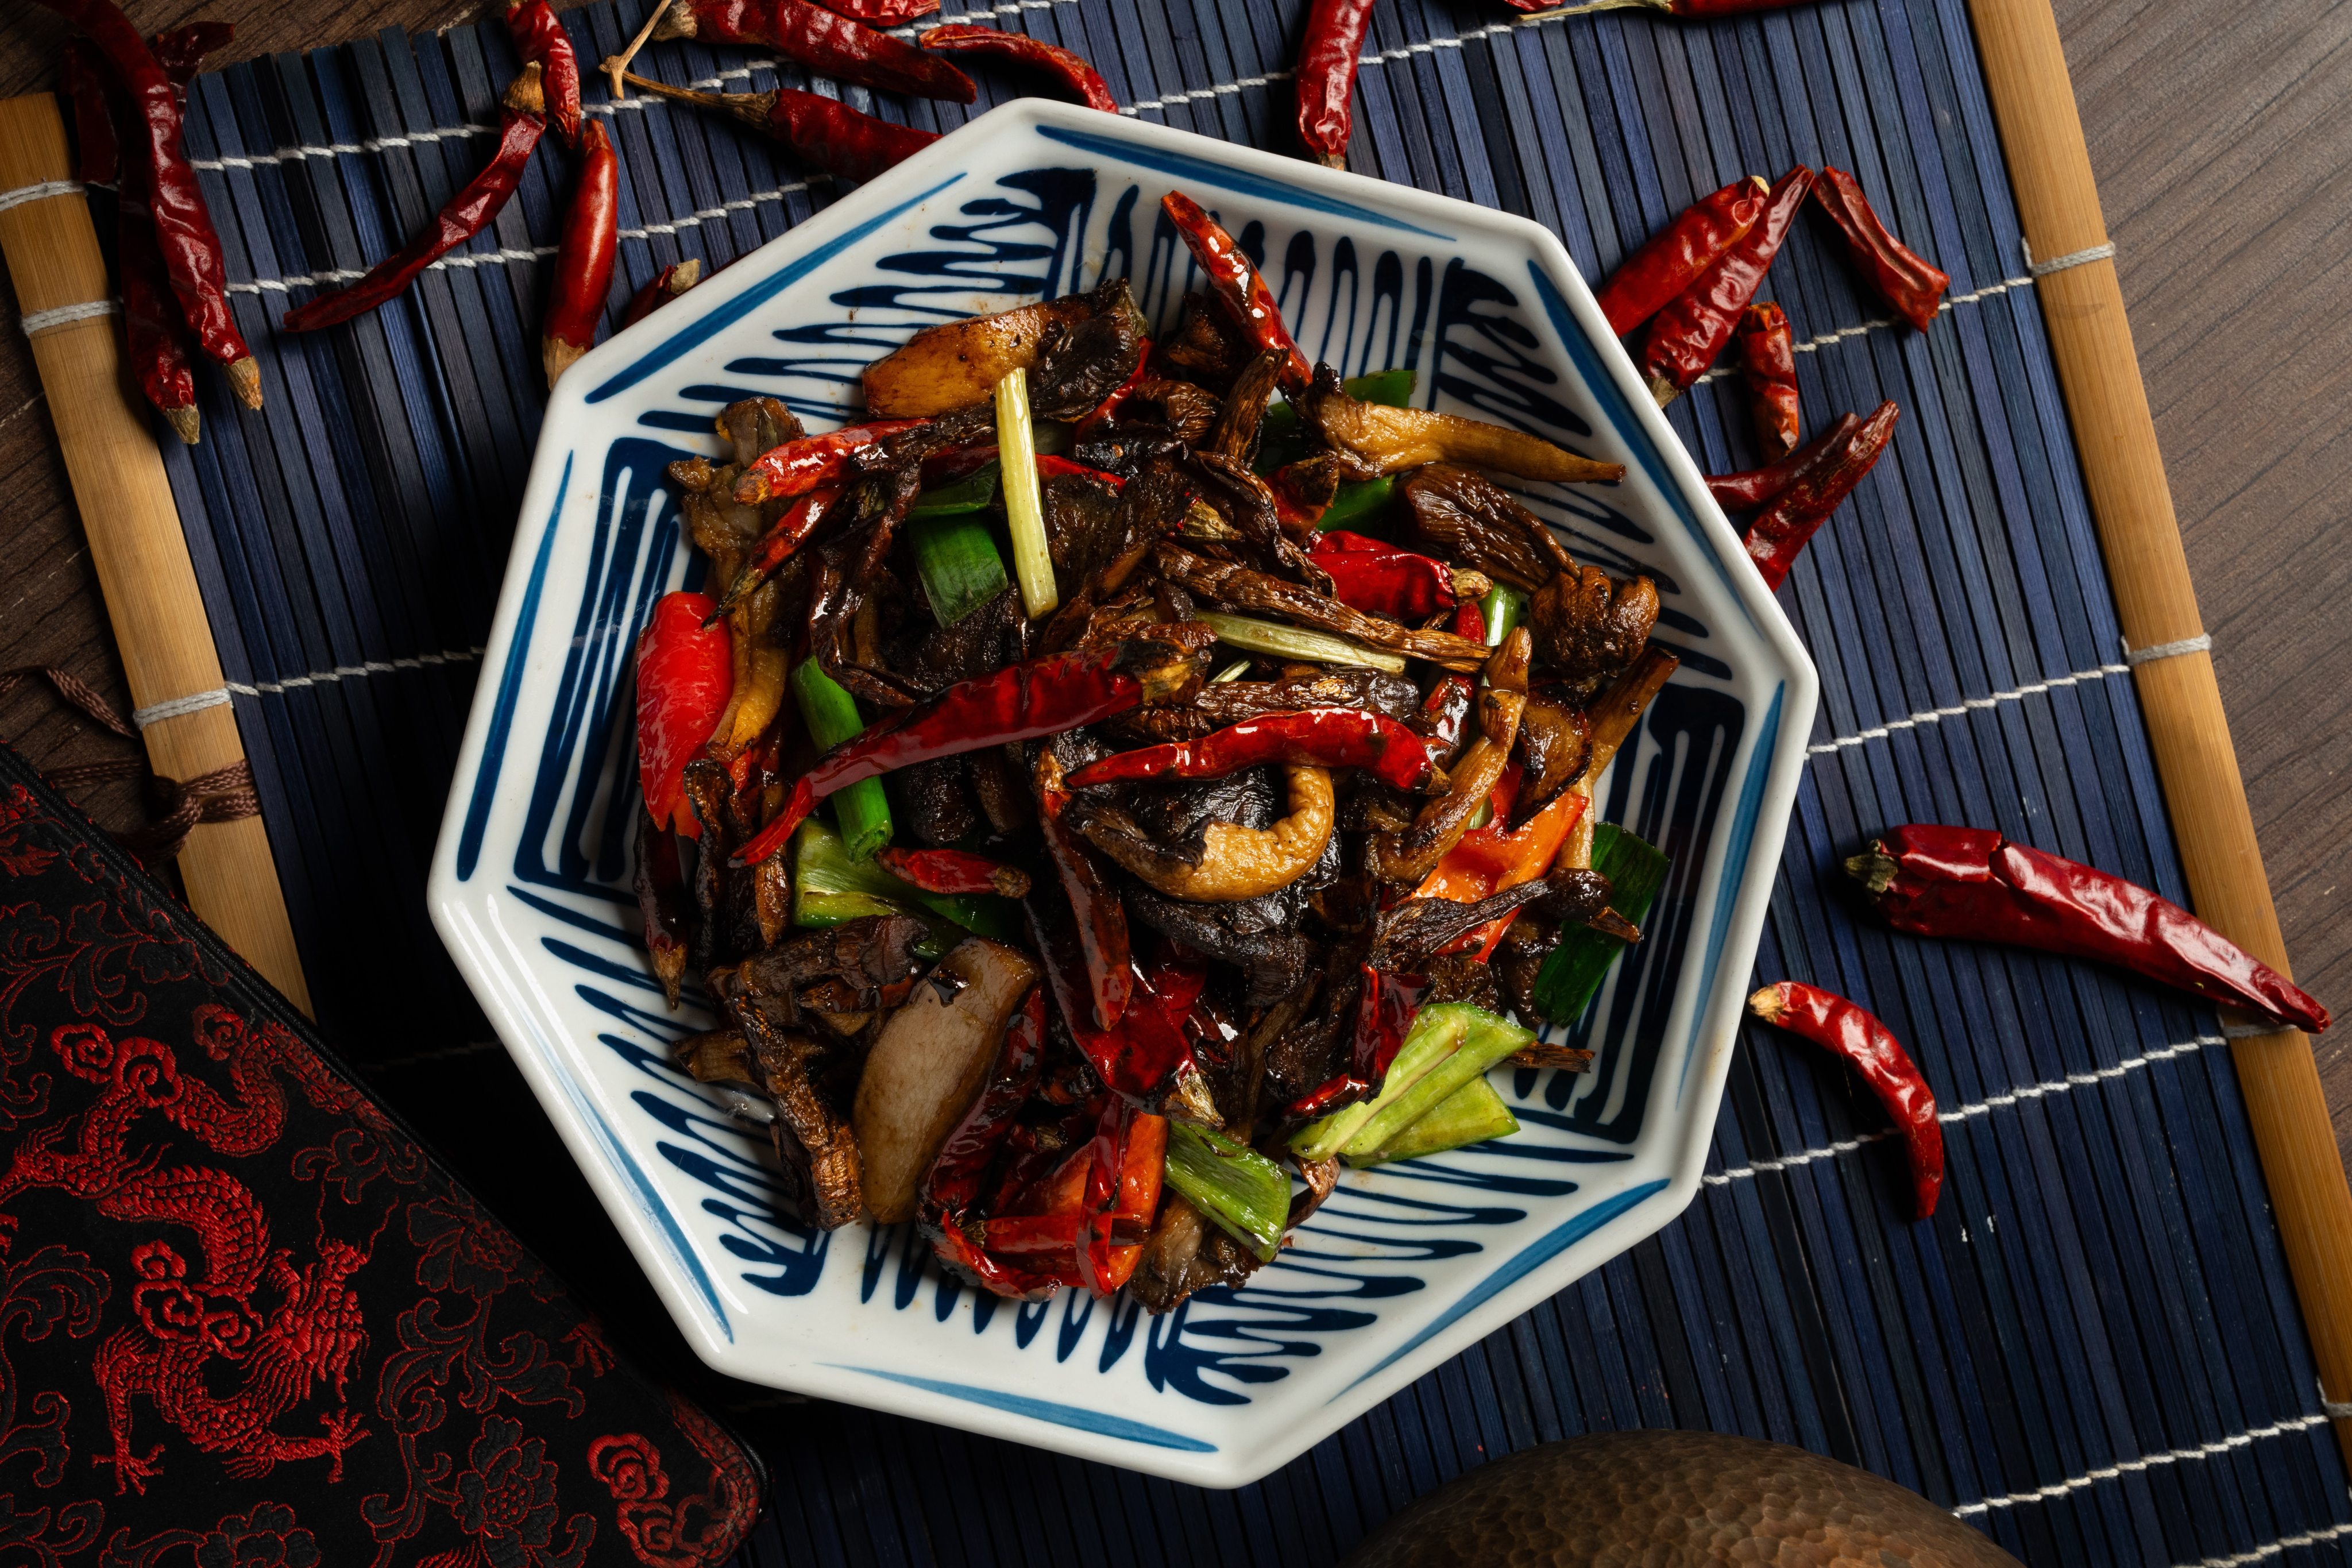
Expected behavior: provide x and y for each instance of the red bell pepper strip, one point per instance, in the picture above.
(830, 45)
(953, 871)
(183, 230)
(1329, 57)
(776, 546)
(1382, 580)
(821, 132)
(1845, 1029)
(1237, 283)
(584, 259)
(1101, 916)
(1068, 69)
(1973, 884)
(800, 466)
(1672, 259)
(1306, 737)
(1768, 359)
(539, 37)
(686, 672)
(1488, 860)
(461, 217)
(1906, 279)
(1753, 488)
(664, 286)
(1690, 331)
(1780, 532)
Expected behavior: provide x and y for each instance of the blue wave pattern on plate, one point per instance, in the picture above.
(1042, 232)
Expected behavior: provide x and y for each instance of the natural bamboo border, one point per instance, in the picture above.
(135, 539)
(2083, 306)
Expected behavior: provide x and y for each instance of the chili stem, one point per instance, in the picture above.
(1024, 511)
(617, 67)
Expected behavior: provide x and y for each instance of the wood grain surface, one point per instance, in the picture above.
(2224, 160)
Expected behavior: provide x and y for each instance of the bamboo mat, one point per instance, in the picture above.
(2093, 1352)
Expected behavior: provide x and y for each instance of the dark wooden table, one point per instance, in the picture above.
(2224, 157)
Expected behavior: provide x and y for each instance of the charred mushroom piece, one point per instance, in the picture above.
(1410, 856)
(1234, 433)
(756, 426)
(1186, 1254)
(957, 365)
(1081, 523)
(1256, 592)
(1187, 411)
(1221, 703)
(662, 904)
(1460, 978)
(1236, 862)
(1205, 348)
(1243, 503)
(867, 955)
(848, 573)
(1083, 362)
(1472, 522)
(1409, 933)
(1373, 439)
(1589, 626)
(935, 800)
(727, 923)
(1554, 741)
(719, 1056)
(814, 1140)
(1260, 936)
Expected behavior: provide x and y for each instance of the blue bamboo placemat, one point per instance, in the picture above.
(2093, 1352)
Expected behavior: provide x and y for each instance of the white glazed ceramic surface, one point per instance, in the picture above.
(1406, 1265)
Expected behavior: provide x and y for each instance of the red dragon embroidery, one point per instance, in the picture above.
(288, 1329)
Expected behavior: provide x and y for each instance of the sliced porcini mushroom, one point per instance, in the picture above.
(1471, 520)
(926, 1065)
(1589, 625)
(719, 1056)
(1235, 862)
(814, 1141)
(957, 365)
(1375, 439)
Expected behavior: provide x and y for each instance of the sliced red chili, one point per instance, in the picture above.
(951, 1186)
(1906, 279)
(1974, 884)
(1768, 359)
(799, 466)
(540, 37)
(830, 45)
(953, 871)
(461, 217)
(1382, 580)
(1093, 903)
(1066, 67)
(1781, 531)
(1687, 335)
(1384, 1013)
(1327, 60)
(1846, 1030)
(1108, 408)
(686, 672)
(1308, 736)
(583, 258)
(1672, 259)
(1236, 282)
(183, 230)
(1756, 487)
(784, 536)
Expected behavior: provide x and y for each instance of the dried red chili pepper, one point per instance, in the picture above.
(1310, 737)
(1972, 883)
(1446, 713)
(1687, 10)
(583, 258)
(830, 45)
(776, 546)
(1845, 1029)
(461, 217)
(800, 466)
(1383, 1015)
(822, 132)
(953, 871)
(1101, 916)
(1753, 488)
(950, 1189)
(1781, 531)
(1906, 279)
(1327, 58)
(1237, 283)
(1672, 259)
(1023, 701)
(1107, 409)
(1768, 359)
(1068, 69)
(1148, 1059)
(1050, 467)
(667, 285)
(183, 230)
(883, 13)
(154, 331)
(686, 672)
(1382, 580)
(540, 38)
(181, 51)
(1689, 332)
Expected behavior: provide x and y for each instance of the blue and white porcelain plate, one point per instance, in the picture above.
(1405, 1265)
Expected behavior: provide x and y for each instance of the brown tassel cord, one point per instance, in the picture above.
(224, 794)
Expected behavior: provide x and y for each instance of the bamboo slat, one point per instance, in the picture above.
(2091, 341)
(135, 539)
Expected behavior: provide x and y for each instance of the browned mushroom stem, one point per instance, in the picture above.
(1235, 862)
(1255, 591)
(1375, 439)
(1408, 857)
(1470, 520)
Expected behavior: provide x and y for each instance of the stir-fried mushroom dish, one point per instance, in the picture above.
(1116, 782)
